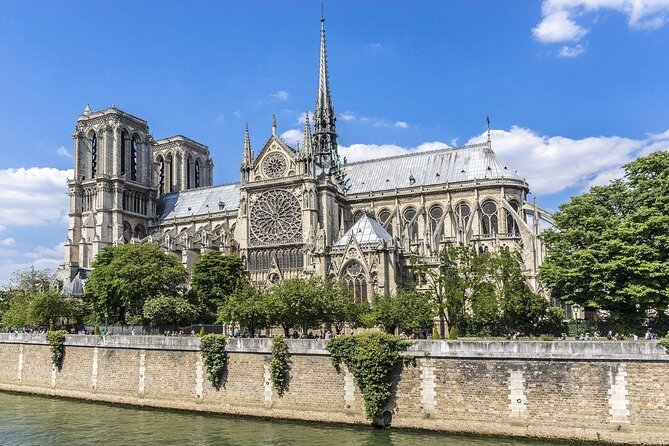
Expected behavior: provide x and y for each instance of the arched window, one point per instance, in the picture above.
(133, 158)
(139, 232)
(189, 163)
(354, 277)
(124, 138)
(489, 218)
(94, 155)
(511, 223)
(411, 223)
(197, 173)
(161, 175)
(127, 232)
(357, 216)
(462, 212)
(385, 218)
(436, 222)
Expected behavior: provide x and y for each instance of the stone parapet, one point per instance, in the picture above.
(470, 349)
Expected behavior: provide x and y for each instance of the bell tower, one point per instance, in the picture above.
(112, 197)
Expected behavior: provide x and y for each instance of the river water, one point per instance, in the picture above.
(34, 420)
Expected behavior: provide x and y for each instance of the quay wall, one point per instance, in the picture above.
(615, 392)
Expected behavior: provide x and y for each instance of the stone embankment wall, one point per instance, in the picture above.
(606, 391)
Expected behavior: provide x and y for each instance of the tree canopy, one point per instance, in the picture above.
(610, 246)
(124, 277)
(215, 277)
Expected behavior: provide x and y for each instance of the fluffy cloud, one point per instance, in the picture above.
(549, 163)
(40, 257)
(361, 152)
(571, 51)
(559, 17)
(280, 95)
(62, 151)
(8, 242)
(292, 137)
(401, 125)
(33, 196)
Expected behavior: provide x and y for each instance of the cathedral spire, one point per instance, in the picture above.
(325, 133)
(308, 147)
(247, 153)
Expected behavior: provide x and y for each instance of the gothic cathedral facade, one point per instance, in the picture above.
(296, 211)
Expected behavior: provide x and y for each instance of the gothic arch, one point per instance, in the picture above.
(354, 276)
(410, 222)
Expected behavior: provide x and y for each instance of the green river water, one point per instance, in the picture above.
(34, 420)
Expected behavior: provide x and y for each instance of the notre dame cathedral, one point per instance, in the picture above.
(296, 210)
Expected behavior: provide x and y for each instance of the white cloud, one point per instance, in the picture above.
(554, 163)
(292, 137)
(237, 113)
(34, 196)
(347, 116)
(40, 257)
(302, 117)
(62, 151)
(558, 27)
(549, 163)
(8, 242)
(2, 228)
(559, 17)
(401, 125)
(571, 51)
(361, 152)
(281, 95)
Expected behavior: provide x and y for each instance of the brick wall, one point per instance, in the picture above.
(615, 392)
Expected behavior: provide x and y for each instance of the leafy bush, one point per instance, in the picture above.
(371, 357)
(453, 334)
(56, 340)
(665, 343)
(279, 365)
(202, 332)
(215, 357)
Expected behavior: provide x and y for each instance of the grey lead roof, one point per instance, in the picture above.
(200, 201)
(467, 163)
(365, 230)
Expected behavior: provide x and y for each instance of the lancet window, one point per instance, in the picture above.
(385, 218)
(489, 224)
(411, 224)
(354, 277)
(133, 158)
(94, 155)
(436, 222)
(511, 223)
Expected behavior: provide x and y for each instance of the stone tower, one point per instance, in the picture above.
(112, 196)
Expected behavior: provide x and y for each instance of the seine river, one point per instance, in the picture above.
(32, 420)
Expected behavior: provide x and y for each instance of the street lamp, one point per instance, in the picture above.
(574, 310)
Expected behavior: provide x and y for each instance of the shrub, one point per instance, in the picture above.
(453, 334)
(56, 340)
(435, 333)
(279, 365)
(665, 343)
(215, 357)
(202, 332)
(371, 357)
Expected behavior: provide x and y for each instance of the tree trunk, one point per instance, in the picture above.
(286, 330)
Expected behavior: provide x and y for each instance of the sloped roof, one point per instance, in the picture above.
(199, 201)
(467, 163)
(365, 230)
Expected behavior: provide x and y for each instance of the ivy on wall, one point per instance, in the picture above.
(56, 340)
(371, 357)
(215, 358)
(279, 366)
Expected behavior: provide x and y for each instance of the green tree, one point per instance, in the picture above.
(339, 308)
(216, 276)
(17, 309)
(608, 249)
(48, 307)
(124, 277)
(409, 309)
(169, 310)
(297, 303)
(247, 306)
(453, 281)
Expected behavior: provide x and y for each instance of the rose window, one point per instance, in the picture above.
(274, 165)
(276, 218)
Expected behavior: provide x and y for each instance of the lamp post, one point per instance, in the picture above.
(574, 310)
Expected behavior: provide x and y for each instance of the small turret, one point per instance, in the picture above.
(247, 156)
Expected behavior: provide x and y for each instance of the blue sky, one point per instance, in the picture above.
(573, 89)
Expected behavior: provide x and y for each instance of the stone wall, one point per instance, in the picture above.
(606, 391)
